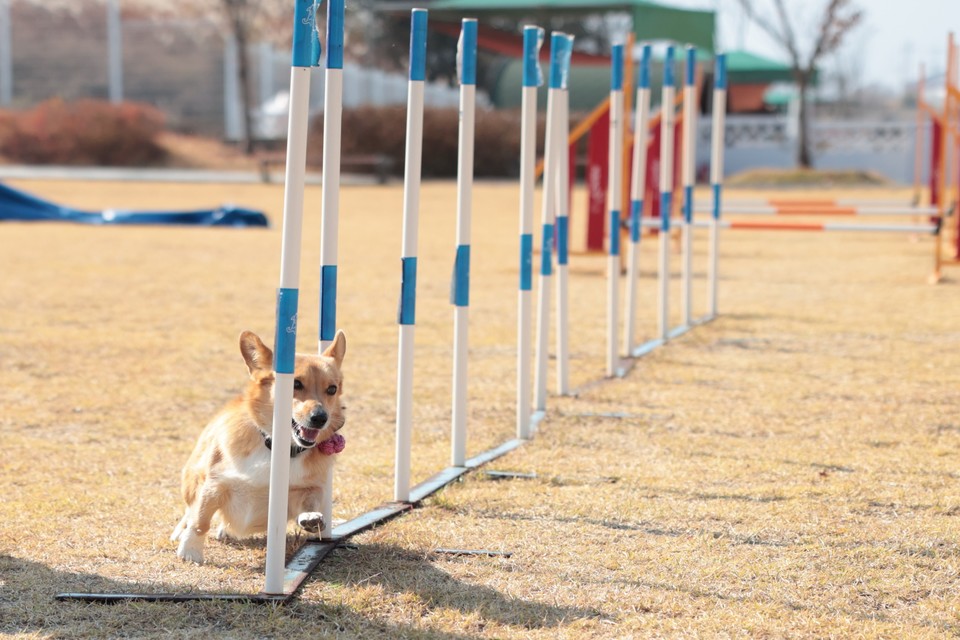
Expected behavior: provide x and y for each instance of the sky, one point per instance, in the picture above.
(894, 36)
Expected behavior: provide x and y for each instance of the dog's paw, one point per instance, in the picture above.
(311, 521)
(190, 548)
(221, 533)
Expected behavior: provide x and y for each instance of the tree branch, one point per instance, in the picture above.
(833, 28)
(784, 36)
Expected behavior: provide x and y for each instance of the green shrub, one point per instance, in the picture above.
(85, 132)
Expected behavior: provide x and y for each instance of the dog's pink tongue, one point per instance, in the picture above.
(309, 434)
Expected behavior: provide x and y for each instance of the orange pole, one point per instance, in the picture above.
(581, 129)
(918, 142)
(628, 77)
(942, 178)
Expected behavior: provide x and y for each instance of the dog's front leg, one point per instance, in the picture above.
(198, 523)
(307, 505)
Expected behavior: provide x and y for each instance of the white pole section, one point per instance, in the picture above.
(614, 189)
(232, 117)
(532, 78)
(285, 339)
(330, 205)
(562, 151)
(666, 192)
(689, 162)
(716, 174)
(558, 43)
(638, 173)
(460, 291)
(6, 55)
(408, 257)
(114, 52)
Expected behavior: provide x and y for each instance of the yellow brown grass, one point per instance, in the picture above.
(790, 470)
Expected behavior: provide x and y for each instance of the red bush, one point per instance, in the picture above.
(367, 131)
(86, 132)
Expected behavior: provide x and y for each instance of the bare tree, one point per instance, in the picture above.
(838, 19)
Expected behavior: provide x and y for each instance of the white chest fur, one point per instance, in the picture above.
(254, 470)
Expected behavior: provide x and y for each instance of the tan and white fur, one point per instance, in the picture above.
(228, 472)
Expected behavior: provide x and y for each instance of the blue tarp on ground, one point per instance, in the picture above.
(18, 205)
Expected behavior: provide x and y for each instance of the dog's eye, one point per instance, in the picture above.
(297, 385)
(332, 390)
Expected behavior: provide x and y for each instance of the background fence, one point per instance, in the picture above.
(754, 142)
(46, 54)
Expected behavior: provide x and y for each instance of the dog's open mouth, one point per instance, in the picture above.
(306, 437)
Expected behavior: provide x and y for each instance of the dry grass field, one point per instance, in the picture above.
(789, 470)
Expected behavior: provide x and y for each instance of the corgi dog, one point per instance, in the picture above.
(228, 472)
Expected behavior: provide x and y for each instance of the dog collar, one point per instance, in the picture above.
(295, 450)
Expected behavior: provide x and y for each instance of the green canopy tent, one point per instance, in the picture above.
(591, 83)
(651, 20)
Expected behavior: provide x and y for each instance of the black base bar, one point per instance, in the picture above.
(306, 559)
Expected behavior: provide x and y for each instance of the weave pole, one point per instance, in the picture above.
(408, 258)
(563, 229)
(666, 193)
(614, 191)
(559, 44)
(687, 167)
(532, 78)
(717, 145)
(460, 291)
(637, 176)
(305, 55)
(330, 206)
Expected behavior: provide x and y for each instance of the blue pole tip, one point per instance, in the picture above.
(720, 81)
(335, 29)
(418, 44)
(616, 68)
(668, 67)
(645, 67)
(532, 41)
(306, 48)
(467, 52)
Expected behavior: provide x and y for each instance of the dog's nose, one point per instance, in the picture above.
(318, 417)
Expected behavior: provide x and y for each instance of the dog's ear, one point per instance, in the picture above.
(337, 348)
(256, 354)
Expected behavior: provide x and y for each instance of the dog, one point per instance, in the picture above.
(228, 472)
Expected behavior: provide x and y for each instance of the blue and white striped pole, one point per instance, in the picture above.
(716, 173)
(330, 206)
(408, 257)
(563, 224)
(532, 78)
(688, 162)
(614, 189)
(559, 43)
(637, 179)
(666, 192)
(460, 291)
(305, 56)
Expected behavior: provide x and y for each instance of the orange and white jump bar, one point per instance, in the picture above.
(809, 226)
(820, 208)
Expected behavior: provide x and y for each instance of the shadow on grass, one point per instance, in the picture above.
(27, 606)
(399, 571)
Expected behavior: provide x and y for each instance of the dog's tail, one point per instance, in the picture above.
(179, 528)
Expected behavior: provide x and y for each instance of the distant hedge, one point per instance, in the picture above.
(368, 131)
(85, 132)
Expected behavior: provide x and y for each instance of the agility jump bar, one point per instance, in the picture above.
(786, 209)
(808, 226)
